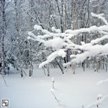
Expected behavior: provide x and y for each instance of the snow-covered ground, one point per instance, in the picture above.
(72, 91)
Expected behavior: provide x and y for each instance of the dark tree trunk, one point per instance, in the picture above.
(3, 33)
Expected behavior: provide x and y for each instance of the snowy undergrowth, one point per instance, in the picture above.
(73, 91)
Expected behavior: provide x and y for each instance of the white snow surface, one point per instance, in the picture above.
(72, 91)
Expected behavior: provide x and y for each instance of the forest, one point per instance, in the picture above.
(54, 41)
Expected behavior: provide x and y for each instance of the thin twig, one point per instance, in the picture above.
(4, 80)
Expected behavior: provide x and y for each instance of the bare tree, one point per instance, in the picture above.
(3, 34)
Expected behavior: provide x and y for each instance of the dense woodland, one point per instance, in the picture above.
(18, 17)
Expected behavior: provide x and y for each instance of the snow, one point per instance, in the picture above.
(102, 81)
(99, 39)
(30, 34)
(56, 30)
(37, 27)
(100, 16)
(57, 40)
(55, 43)
(52, 56)
(72, 91)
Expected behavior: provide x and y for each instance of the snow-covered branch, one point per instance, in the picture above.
(60, 42)
(100, 16)
(51, 57)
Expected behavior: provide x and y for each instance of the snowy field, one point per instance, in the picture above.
(72, 91)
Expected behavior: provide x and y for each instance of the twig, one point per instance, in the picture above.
(4, 80)
(55, 97)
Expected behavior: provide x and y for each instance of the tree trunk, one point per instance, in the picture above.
(3, 28)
